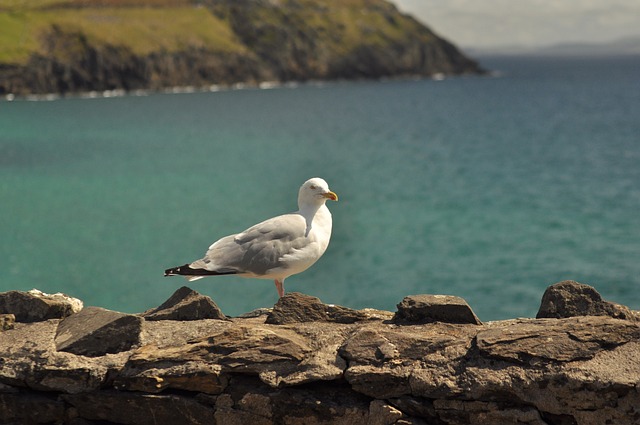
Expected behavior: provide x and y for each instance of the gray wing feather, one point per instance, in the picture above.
(257, 249)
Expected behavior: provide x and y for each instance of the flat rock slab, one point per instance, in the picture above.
(186, 304)
(570, 299)
(565, 340)
(36, 306)
(295, 307)
(96, 331)
(420, 309)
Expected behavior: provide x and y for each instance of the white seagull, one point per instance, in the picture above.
(274, 249)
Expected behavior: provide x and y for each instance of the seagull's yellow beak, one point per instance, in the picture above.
(330, 195)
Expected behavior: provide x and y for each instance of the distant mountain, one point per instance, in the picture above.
(624, 46)
(60, 46)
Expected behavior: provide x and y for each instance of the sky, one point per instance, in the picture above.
(528, 23)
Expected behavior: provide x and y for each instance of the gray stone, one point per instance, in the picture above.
(36, 306)
(96, 331)
(419, 309)
(186, 304)
(570, 299)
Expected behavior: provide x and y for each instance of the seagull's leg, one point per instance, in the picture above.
(280, 287)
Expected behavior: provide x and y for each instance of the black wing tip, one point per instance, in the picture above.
(186, 270)
(174, 271)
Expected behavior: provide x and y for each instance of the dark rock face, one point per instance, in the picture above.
(186, 304)
(140, 409)
(95, 332)
(314, 370)
(569, 299)
(417, 309)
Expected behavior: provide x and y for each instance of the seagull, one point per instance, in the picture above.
(275, 248)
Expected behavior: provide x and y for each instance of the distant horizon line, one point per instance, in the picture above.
(627, 45)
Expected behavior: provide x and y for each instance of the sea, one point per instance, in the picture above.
(489, 188)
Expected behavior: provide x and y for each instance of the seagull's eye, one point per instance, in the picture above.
(313, 187)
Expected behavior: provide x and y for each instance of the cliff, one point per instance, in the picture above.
(304, 362)
(61, 46)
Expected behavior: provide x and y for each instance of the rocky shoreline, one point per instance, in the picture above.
(304, 362)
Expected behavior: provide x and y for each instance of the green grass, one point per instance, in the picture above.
(16, 43)
(13, 5)
(146, 26)
(356, 22)
(143, 30)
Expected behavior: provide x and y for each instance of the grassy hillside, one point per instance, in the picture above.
(145, 26)
(71, 45)
(343, 24)
(142, 29)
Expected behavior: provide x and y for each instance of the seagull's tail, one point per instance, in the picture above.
(195, 273)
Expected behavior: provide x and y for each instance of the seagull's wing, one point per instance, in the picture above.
(258, 249)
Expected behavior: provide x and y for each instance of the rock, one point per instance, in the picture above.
(7, 321)
(417, 309)
(96, 331)
(416, 407)
(273, 354)
(381, 413)
(198, 377)
(252, 402)
(140, 409)
(552, 340)
(178, 369)
(258, 312)
(29, 360)
(577, 370)
(186, 304)
(295, 307)
(35, 305)
(570, 298)
(28, 408)
(391, 361)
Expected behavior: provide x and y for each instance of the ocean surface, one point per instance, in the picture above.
(488, 188)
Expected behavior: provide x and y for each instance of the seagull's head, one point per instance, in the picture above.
(315, 191)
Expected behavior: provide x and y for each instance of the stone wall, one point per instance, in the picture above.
(304, 362)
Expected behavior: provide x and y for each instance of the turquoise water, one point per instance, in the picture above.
(490, 189)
